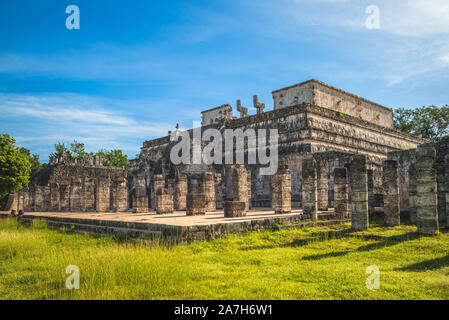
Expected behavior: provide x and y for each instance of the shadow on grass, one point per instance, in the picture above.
(387, 242)
(315, 237)
(427, 265)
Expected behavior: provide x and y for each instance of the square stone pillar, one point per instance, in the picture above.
(446, 170)
(102, 195)
(26, 200)
(208, 189)
(412, 193)
(281, 191)
(158, 182)
(46, 198)
(196, 204)
(54, 197)
(140, 201)
(219, 190)
(370, 181)
(309, 188)
(120, 196)
(323, 187)
(341, 199)
(392, 212)
(426, 190)
(38, 199)
(234, 209)
(64, 197)
(164, 201)
(88, 200)
(180, 192)
(20, 196)
(240, 184)
(359, 193)
(75, 196)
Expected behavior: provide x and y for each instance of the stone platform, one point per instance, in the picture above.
(175, 227)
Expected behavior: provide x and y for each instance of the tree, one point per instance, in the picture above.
(34, 160)
(77, 150)
(426, 122)
(114, 158)
(60, 150)
(15, 166)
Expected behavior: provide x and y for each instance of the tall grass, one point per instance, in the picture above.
(310, 263)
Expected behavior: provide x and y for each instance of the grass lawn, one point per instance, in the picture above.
(288, 264)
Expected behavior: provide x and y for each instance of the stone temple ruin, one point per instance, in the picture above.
(78, 185)
(339, 158)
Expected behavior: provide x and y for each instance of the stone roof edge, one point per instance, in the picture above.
(332, 88)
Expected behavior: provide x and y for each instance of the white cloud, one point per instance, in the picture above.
(42, 120)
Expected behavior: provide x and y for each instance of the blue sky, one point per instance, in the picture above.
(134, 69)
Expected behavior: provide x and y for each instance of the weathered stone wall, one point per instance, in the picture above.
(81, 186)
(321, 94)
(217, 115)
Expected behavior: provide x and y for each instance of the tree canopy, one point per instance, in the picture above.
(114, 158)
(430, 122)
(76, 150)
(15, 166)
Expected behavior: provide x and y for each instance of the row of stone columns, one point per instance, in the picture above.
(78, 196)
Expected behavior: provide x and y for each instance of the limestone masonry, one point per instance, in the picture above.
(338, 153)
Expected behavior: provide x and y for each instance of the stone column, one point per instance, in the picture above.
(26, 200)
(46, 198)
(140, 199)
(309, 188)
(426, 190)
(359, 193)
(323, 197)
(446, 170)
(64, 197)
(281, 191)
(219, 190)
(38, 199)
(196, 204)
(341, 201)
(158, 182)
(164, 201)
(248, 185)
(370, 181)
(180, 192)
(88, 200)
(102, 195)
(392, 216)
(240, 184)
(54, 197)
(208, 189)
(20, 196)
(234, 209)
(412, 193)
(75, 196)
(120, 196)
